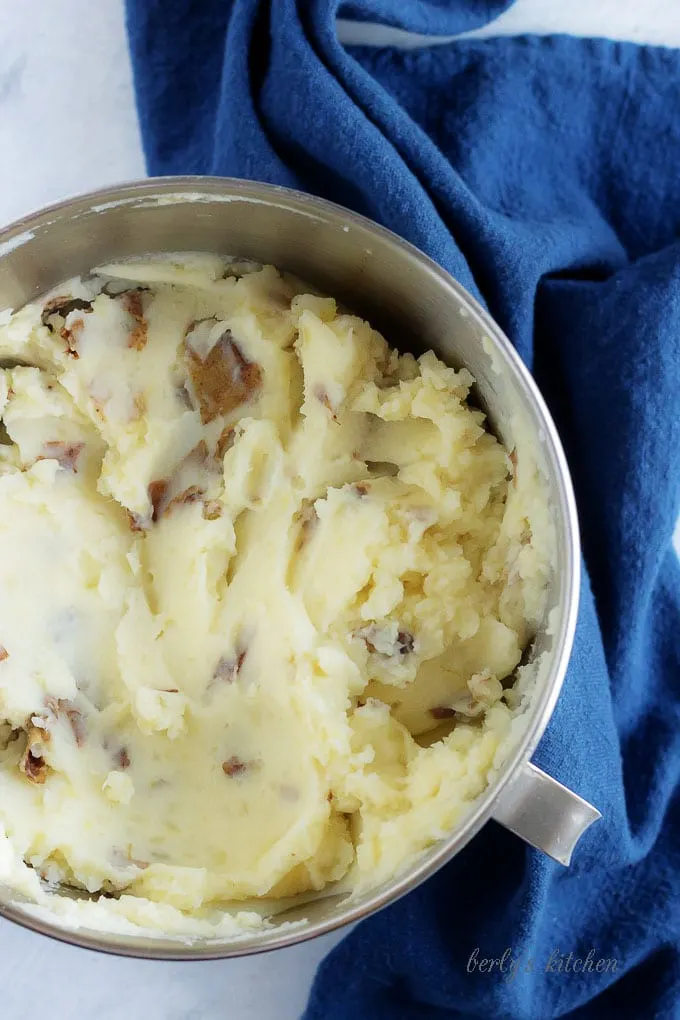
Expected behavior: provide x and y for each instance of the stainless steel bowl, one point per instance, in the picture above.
(416, 305)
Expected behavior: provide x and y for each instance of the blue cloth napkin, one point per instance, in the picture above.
(544, 174)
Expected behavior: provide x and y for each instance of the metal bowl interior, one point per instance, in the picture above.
(417, 306)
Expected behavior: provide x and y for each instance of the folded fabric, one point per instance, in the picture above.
(543, 174)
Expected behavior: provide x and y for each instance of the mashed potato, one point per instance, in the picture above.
(262, 581)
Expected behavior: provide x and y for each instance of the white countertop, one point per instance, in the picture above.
(67, 124)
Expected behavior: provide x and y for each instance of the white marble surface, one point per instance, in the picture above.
(67, 124)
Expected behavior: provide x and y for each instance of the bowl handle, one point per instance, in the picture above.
(546, 814)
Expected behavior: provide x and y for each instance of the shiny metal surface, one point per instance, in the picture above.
(417, 306)
(544, 813)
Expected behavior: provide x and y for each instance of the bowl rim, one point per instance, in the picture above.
(207, 189)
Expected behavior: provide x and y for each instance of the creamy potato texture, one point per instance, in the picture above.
(262, 581)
